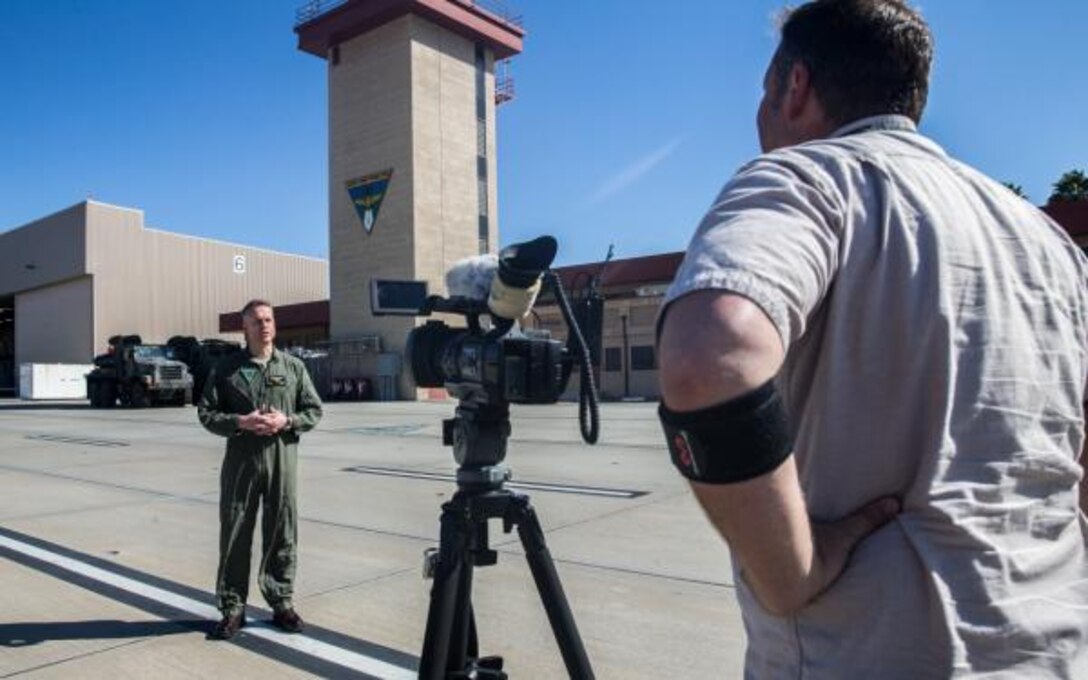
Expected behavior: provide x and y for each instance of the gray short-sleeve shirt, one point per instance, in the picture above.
(936, 328)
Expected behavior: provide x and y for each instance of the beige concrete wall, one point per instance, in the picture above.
(370, 123)
(402, 96)
(159, 284)
(444, 159)
(640, 314)
(54, 324)
(95, 271)
(43, 252)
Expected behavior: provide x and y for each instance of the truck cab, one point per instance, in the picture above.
(138, 375)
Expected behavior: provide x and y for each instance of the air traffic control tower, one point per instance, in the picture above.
(412, 97)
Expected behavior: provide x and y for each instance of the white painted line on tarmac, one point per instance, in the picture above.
(297, 642)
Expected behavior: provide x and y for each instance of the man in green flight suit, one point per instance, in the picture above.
(260, 400)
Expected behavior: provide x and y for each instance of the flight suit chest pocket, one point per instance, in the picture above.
(275, 386)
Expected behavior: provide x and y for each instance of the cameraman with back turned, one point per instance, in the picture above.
(873, 363)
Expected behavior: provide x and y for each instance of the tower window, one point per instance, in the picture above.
(483, 234)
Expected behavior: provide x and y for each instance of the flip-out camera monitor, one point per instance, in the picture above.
(397, 298)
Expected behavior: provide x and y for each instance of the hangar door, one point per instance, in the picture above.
(7, 346)
(54, 324)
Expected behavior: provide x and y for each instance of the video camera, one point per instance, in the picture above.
(504, 363)
(487, 369)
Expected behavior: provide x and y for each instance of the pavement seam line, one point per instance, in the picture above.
(77, 657)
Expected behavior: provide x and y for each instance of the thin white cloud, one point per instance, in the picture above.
(633, 172)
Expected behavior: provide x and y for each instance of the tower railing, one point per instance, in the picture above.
(499, 8)
(315, 8)
(504, 82)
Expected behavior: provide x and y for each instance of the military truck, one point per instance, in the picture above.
(200, 356)
(138, 375)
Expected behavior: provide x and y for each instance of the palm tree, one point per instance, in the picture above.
(1073, 186)
(1016, 189)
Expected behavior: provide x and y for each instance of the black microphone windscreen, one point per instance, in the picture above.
(521, 264)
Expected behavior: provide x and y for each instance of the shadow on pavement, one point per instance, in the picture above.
(26, 634)
(19, 405)
(16, 405)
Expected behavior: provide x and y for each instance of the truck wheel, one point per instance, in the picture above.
(107, 395)
(139, 397)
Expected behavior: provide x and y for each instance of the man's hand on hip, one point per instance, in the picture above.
(834, 541)
(717, 346)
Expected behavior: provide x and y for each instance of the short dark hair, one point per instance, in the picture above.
(864, 57)
(254, 304)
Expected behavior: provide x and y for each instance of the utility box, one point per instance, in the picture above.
(53, 381)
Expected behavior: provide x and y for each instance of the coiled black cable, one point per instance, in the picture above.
(589, 416)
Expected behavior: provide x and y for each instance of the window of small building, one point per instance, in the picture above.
(642, 358)
(612, 357)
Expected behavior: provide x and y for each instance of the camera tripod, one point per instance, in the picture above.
(478, 435)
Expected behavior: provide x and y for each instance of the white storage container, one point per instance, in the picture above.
(53, 381)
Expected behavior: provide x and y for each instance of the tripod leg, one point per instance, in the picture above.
(472, 642)
(551, 591)
(462, 643)
(450, 599)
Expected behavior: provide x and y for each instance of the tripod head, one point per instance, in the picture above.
(478, 433)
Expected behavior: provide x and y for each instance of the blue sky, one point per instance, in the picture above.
(629, 116)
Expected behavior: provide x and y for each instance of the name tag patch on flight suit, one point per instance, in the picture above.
(275, 380)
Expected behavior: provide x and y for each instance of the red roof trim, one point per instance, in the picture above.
(1072, 215)
(356, 17)
(627, 272)
(299, 315)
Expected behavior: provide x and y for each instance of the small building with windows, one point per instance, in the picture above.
(632, 290)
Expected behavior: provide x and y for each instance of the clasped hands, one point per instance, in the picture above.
(264, 422)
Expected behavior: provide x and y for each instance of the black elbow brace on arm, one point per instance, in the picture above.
(740, 439)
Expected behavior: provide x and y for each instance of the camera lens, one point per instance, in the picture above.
(425, 348)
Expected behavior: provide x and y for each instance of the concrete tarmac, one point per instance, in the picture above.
(109, 531)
